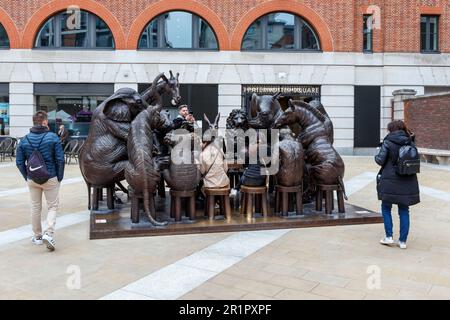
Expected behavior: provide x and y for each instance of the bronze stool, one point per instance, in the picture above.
(329, 199)
(175, 204)
(253, 200)
(234, 173)
(223, 195)
(137, 203)
(282, 199)
(96, 195)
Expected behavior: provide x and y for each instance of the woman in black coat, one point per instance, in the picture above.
(393, 188)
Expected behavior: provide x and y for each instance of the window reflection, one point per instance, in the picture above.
(149, 38)
(309, 39)
(104, 38)
(207, 38)
(253, 37)
(46, 37)
(178, 30)
(74, 31)
(4, 40)
(280, 30)
(78, 30)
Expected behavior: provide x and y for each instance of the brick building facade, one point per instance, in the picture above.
(355, 86)
(429, 118)
(338, 22)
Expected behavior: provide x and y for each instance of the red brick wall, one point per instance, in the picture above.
(429, 118)
(339, 22)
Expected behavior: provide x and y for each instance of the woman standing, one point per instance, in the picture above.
(402, 190)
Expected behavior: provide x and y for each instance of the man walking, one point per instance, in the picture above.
(40, 159)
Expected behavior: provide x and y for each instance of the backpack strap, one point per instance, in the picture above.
(39, 142)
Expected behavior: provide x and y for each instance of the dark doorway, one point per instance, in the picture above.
(367, 116)
(200, 98)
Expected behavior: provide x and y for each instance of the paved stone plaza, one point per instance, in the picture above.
(315, 263)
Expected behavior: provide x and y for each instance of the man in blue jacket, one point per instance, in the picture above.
(49, 146)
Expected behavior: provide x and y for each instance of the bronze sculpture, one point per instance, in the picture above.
(236, 125)
(291, 160)
(104, 155)
(143, 170)
(327, 121)
(153, 95)
(327, 167)
(182, 176)
(264, 110)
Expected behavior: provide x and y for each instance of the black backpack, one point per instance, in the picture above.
(36, 167)
(408, 162)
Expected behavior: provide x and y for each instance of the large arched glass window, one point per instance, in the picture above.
(178, 30)
(4, 40)
(80, 29)
(282, 31)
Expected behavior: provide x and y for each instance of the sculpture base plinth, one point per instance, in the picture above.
(119, 224)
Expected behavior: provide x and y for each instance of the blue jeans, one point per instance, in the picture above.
(403, 212)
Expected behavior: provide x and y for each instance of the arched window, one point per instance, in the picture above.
(282, 31)
(178, 30)
(4, 40)
(80, 29)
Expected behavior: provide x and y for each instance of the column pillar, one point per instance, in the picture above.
(22, 106)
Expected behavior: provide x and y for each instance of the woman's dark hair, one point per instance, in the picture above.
(397, 125)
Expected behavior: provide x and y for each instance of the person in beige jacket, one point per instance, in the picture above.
(213, 166)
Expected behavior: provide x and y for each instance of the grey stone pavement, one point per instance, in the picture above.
(315, 263)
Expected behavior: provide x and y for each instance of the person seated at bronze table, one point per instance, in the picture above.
(254, 175)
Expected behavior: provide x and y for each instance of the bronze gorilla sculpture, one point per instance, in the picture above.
(104, 155)
(327, 166)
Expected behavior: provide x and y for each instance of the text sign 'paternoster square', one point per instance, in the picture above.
(304, 90)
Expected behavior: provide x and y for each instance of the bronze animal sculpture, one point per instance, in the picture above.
(182, 176)
(104, 155)
(264, 110)
(236, 125)
(160, 133)
(327, 166)
(143, 170)
(153, 95)
(327, 122)
(237, 119)
(291, 160)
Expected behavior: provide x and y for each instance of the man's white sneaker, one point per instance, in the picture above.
(402, 245)
(36, 240)
(49, 242)
(387, 241)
